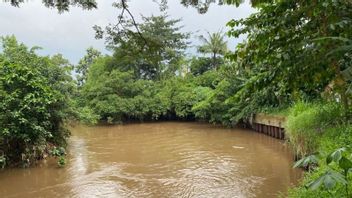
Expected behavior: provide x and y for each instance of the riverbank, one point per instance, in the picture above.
(318, 129)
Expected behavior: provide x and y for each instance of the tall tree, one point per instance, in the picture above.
(215, 45)
(150, 53)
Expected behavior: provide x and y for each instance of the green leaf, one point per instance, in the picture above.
(335, 156)
(345, 164)
(329, 179)
(338, 177)
(329, 182)
(312, 159)
(316, 183)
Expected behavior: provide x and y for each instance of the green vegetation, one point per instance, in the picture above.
(59, 153)
(215, 46)
(296, 51)
(296, 61)
(332, 178)
(35, 96)
(314, 131)
(306, 123)
(64, 5)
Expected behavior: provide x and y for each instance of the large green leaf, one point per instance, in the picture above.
(304, 162)
(329, 179)
(316, 183)
(335, 156)
(345, 164)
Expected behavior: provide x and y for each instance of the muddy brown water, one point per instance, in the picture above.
(168, 159)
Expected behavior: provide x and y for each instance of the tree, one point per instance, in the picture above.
(283, 59)
(153, 55)
(33, 101)
(83, 66)
(118, 96)
(215, 45)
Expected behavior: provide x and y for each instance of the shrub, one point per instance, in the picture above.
(33, 99)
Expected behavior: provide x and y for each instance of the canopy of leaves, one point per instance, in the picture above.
(201, 6)
(282, 58)
(154, 51)
(61, 5)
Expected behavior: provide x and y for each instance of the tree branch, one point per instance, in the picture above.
(125, 8)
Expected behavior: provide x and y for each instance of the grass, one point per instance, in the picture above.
(308, 123)
(317, 128)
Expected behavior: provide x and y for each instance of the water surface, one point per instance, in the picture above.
(168, 159)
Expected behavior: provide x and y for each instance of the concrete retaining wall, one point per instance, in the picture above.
(271, 125)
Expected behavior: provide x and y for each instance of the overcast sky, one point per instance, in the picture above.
(71, 33)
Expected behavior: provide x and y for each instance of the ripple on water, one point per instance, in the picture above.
(160, 160)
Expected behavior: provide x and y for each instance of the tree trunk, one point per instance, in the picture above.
(214, 61)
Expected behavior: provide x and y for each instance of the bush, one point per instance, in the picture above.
(33, 103)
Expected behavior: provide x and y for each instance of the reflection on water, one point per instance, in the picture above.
(167, 159)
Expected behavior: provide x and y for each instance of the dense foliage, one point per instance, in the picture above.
(153, 52)
(34, 96)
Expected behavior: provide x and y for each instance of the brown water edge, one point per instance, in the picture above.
(166, 159)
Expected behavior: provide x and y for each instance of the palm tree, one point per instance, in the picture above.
(215, 45)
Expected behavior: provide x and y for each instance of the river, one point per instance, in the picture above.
(166, 159)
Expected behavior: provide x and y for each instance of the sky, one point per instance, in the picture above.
(71, 33)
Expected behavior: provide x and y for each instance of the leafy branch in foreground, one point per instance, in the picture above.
(61, 5)
(338, 172)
